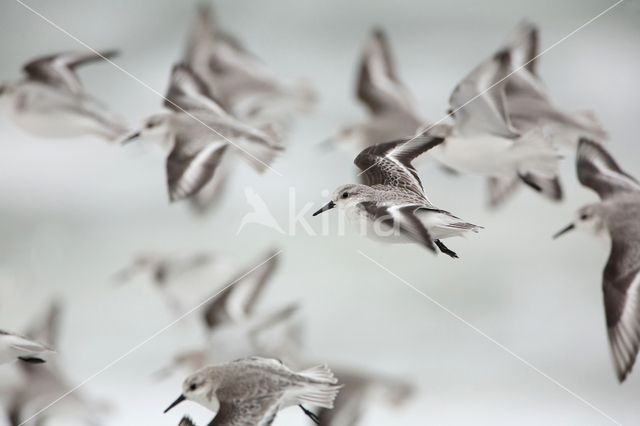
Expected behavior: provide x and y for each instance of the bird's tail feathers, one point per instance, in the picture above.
(320, 388)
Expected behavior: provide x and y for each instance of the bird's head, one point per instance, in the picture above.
(345, 196)
(588, 218)
(198, 387)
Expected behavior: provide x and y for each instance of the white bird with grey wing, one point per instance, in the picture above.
(484, 142)
(392, 202)
(251, 391)
(393, 111)
(50, 101)
(198, 133)
(618, 213)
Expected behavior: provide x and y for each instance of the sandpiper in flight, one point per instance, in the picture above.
(251, 391)
(618, 212)
(392, 196)
(51, 102)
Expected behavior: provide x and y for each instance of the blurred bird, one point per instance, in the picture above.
(393, 111)
(357, 392)
(252, 391)
(391, 201)
(528, 103)
(50, 101)
(240, 81)
(42, 386)
(14, 347)
(168, 272)
(198, 133)
(618, 212)
(483, 141)
(234, 327)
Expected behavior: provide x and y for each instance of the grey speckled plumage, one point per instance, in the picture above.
(618, 213)
(251, 391)
(392, 197)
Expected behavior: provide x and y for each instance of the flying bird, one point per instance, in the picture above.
(198, 133)
(238, 79)
(234, 327)
(393, 112)
(484, 142)
(251, 391)
(14, 347)
(617, 213)
(51, 102)
(391, 199)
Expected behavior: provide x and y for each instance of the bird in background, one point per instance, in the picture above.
(482, 140)
(241, 82)
(41, 385)
(198, 132)
(251, 391)
(14, 347)
(529, 104)
(172, 274)
(234, 327)
(391, 202)
(50, 101)
(393, 111)
(359, 391)
(618, 214)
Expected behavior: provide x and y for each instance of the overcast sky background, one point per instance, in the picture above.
(75, 211)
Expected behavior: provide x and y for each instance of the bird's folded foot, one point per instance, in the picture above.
(32, 360)
(444, 249)
(310, 414)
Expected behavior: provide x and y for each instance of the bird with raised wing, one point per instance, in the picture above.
(14, 347)
(51, 102)
(391, 201)
(393, 112)
(484, 142)
(617, 213)
(251, 391)
(198, 132)
(239, 80)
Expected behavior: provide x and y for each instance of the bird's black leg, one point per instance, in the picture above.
(32, 360)
(311, 415)
(444, 249)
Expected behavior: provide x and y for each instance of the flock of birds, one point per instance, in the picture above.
(223, 103)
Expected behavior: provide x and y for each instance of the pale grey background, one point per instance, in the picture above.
(73, 212)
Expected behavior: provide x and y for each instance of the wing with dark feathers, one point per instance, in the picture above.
(389, 163)
(59, 70)
(599, 171)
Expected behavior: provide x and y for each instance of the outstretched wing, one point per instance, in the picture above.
(390, 163)
(378, 85)
(621, 286)
(479, 103)
(524, 44)
(187, 92)
(401, 218)
(58, 70)
(599, 171)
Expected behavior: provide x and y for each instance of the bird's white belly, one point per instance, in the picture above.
(486, 155)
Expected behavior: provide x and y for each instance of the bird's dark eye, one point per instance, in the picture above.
(584, 216)
(193, 387)
(345, 195)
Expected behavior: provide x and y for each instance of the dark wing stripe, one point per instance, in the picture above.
(187, 174)
(599, 171)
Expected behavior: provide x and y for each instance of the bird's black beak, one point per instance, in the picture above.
(176, 402)
(326, 207)
(129, 137)
(564, 230)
